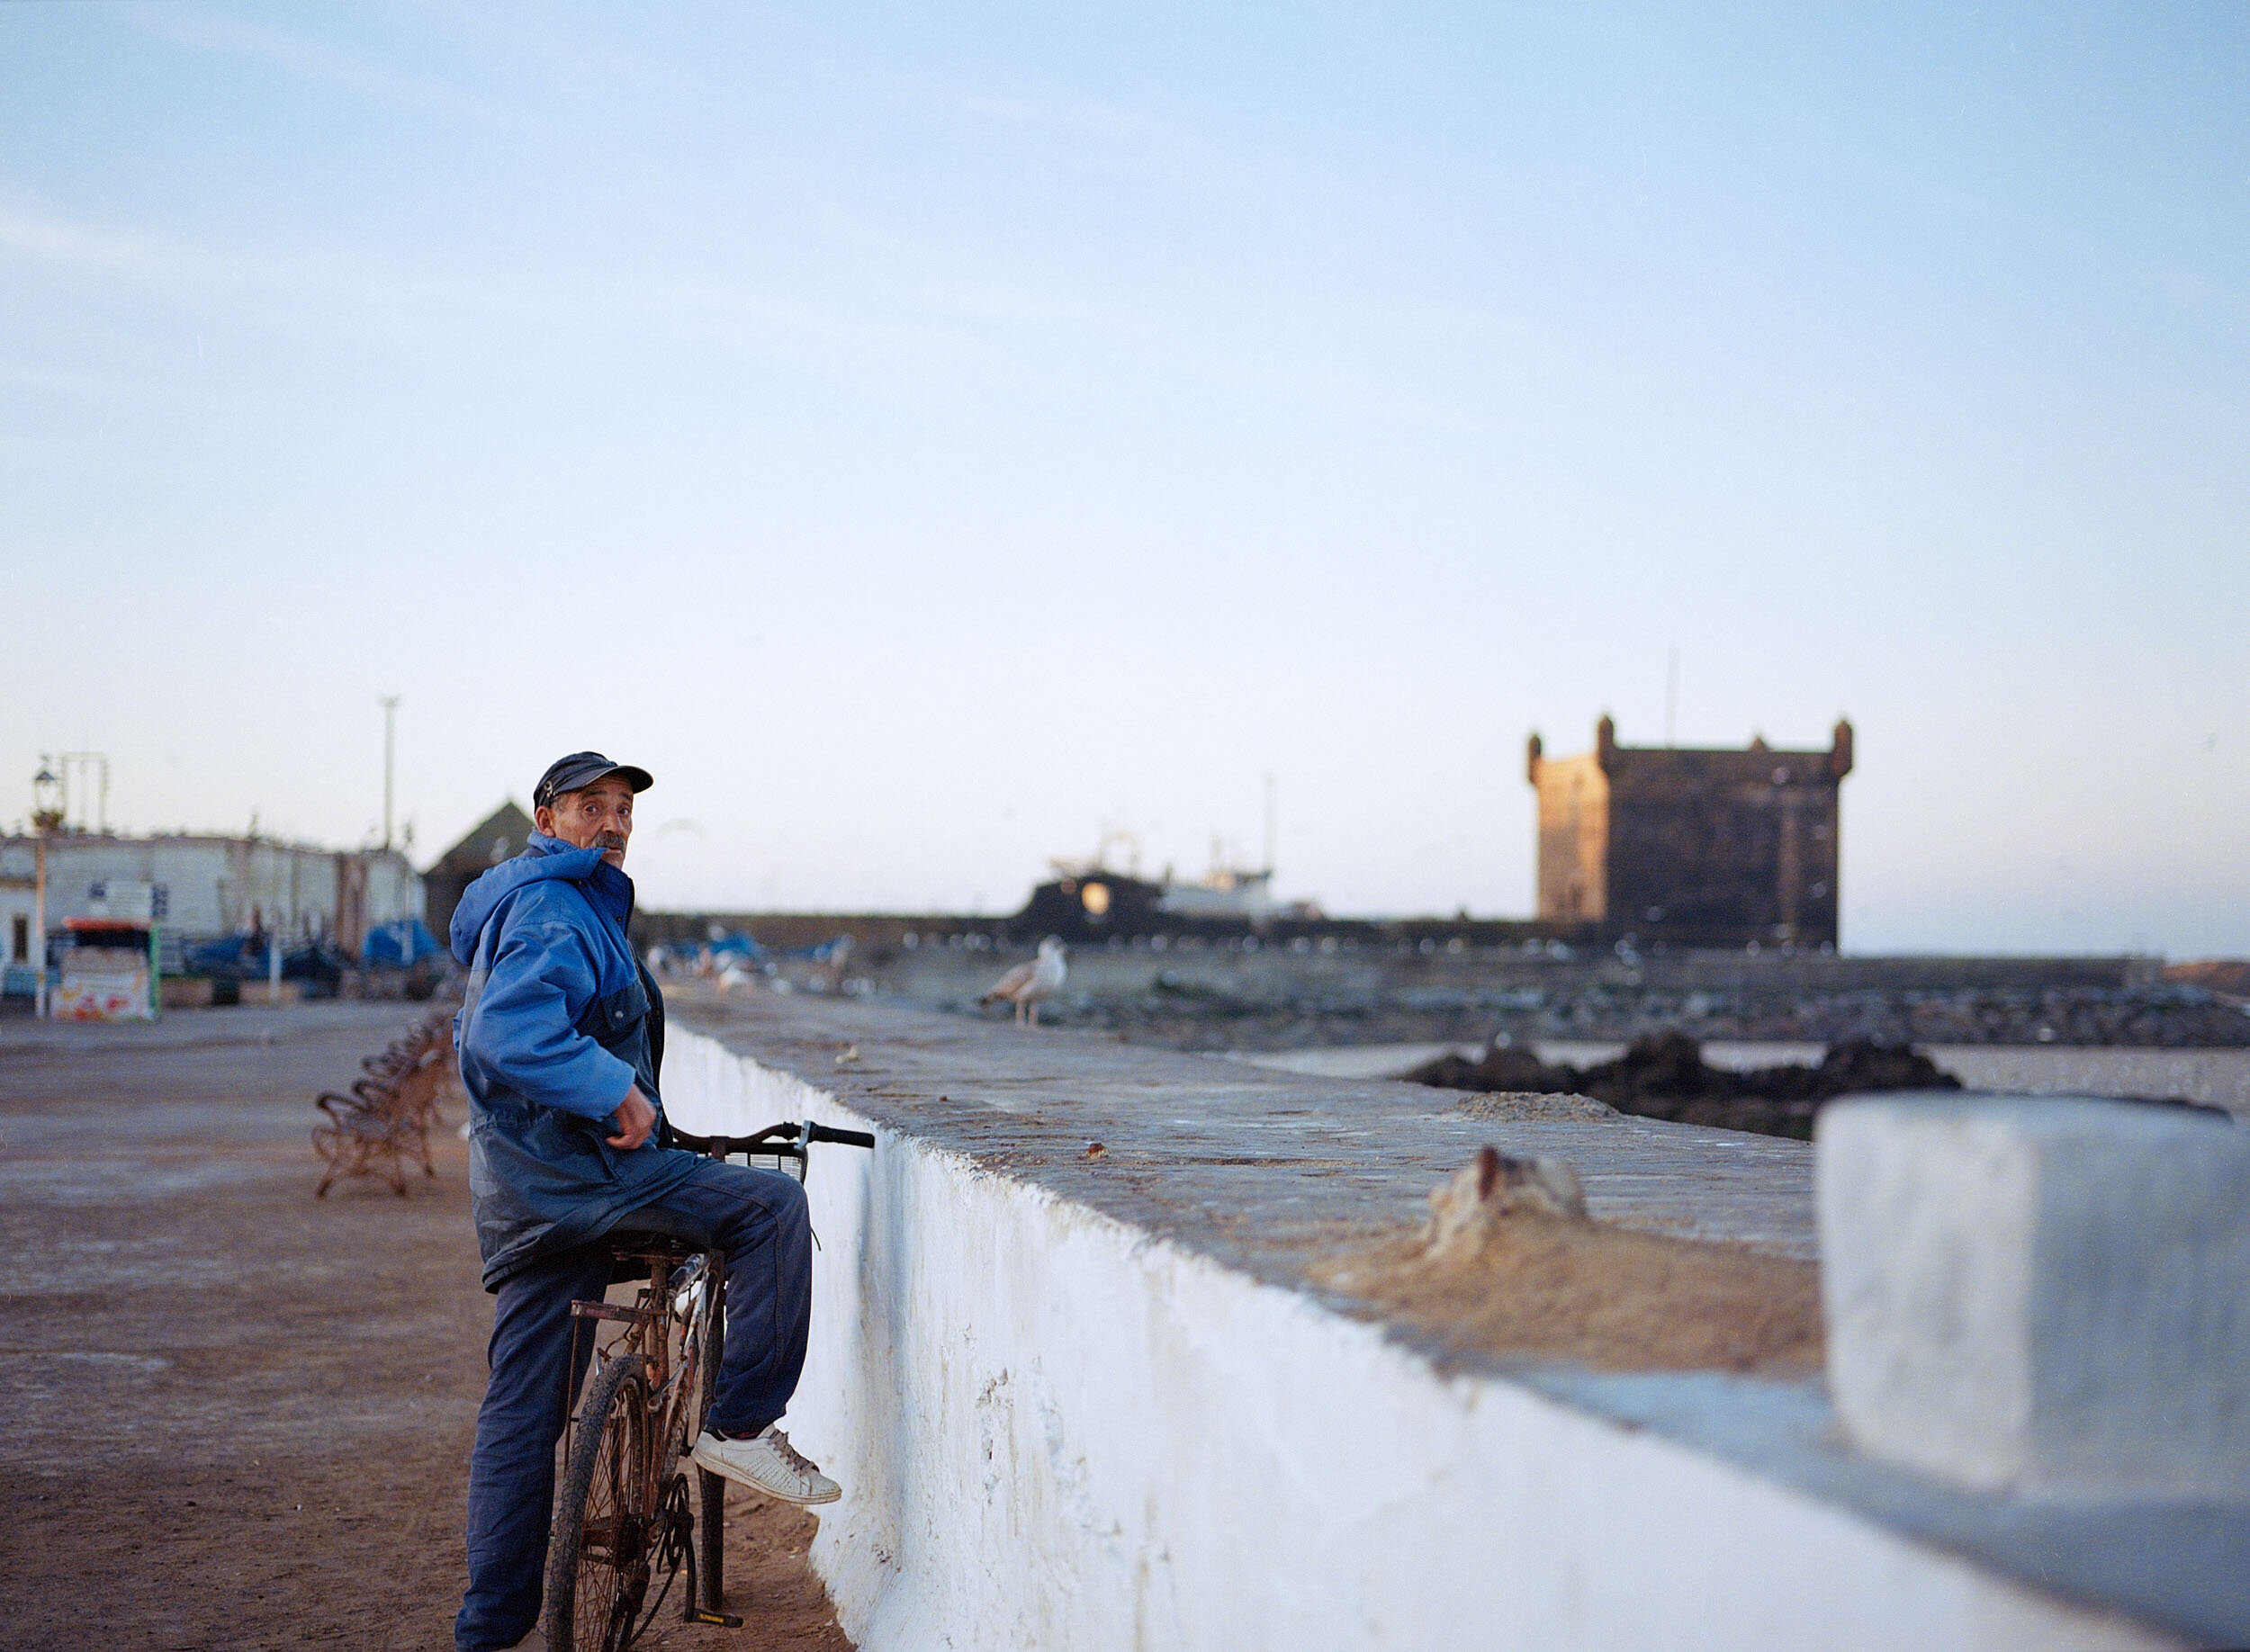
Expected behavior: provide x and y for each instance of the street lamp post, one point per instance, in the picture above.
(390, 702)
(46, 815)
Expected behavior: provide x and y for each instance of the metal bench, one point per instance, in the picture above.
(384, 1125)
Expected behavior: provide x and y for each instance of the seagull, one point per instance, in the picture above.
(1024, 985)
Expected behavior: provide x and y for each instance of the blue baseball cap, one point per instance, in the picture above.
(580, 770)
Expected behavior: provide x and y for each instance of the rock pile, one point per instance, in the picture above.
(1665, 1076)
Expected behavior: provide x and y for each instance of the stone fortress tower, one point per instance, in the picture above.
(1696, 848)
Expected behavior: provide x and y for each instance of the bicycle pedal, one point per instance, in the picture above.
(724, 1619)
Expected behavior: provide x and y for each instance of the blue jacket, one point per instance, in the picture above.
(558, 1022)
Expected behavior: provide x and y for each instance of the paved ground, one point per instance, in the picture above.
(238, 1418)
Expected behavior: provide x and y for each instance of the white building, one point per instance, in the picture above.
(207, 886)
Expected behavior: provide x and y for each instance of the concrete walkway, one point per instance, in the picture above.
(318, 1019)
(1193, 1143)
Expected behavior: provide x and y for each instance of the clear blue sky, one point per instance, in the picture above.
(924, 439)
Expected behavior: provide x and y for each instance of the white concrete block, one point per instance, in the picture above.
(2045, 1295)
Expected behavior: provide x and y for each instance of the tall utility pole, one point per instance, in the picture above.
(1273, 810)
(1671, 692)
(390, 702)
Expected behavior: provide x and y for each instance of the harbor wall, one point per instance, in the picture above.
(1060, 1429)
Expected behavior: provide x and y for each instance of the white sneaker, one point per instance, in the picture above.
(769, 1464)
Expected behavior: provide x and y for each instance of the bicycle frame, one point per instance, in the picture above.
(673, 1332)
(650, 1322)
(669, 1329)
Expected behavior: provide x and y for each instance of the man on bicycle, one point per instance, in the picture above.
(561, 1038)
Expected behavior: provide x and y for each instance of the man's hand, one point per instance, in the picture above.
(635, 1118)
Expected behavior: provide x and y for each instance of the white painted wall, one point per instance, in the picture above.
(1056, 1432)
(216, 885)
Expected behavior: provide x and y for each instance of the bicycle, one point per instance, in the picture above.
(625, 1515)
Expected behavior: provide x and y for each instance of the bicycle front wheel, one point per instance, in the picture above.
(605, 1518)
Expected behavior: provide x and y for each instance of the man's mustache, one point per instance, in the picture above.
(610, 840)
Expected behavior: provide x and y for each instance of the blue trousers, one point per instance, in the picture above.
(757, 1218)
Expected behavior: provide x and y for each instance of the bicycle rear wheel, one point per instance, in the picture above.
(604, 1519)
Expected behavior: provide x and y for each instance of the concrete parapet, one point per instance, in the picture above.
(1073, 1364)
(2045, 1296)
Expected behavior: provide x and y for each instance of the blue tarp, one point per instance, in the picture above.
(315, 967)
(827, 952)
(398, 946)
(230, 954)
(395, 946)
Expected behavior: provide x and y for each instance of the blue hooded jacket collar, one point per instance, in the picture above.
(606, 886)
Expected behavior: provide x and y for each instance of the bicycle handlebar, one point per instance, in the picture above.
(788, 1138)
